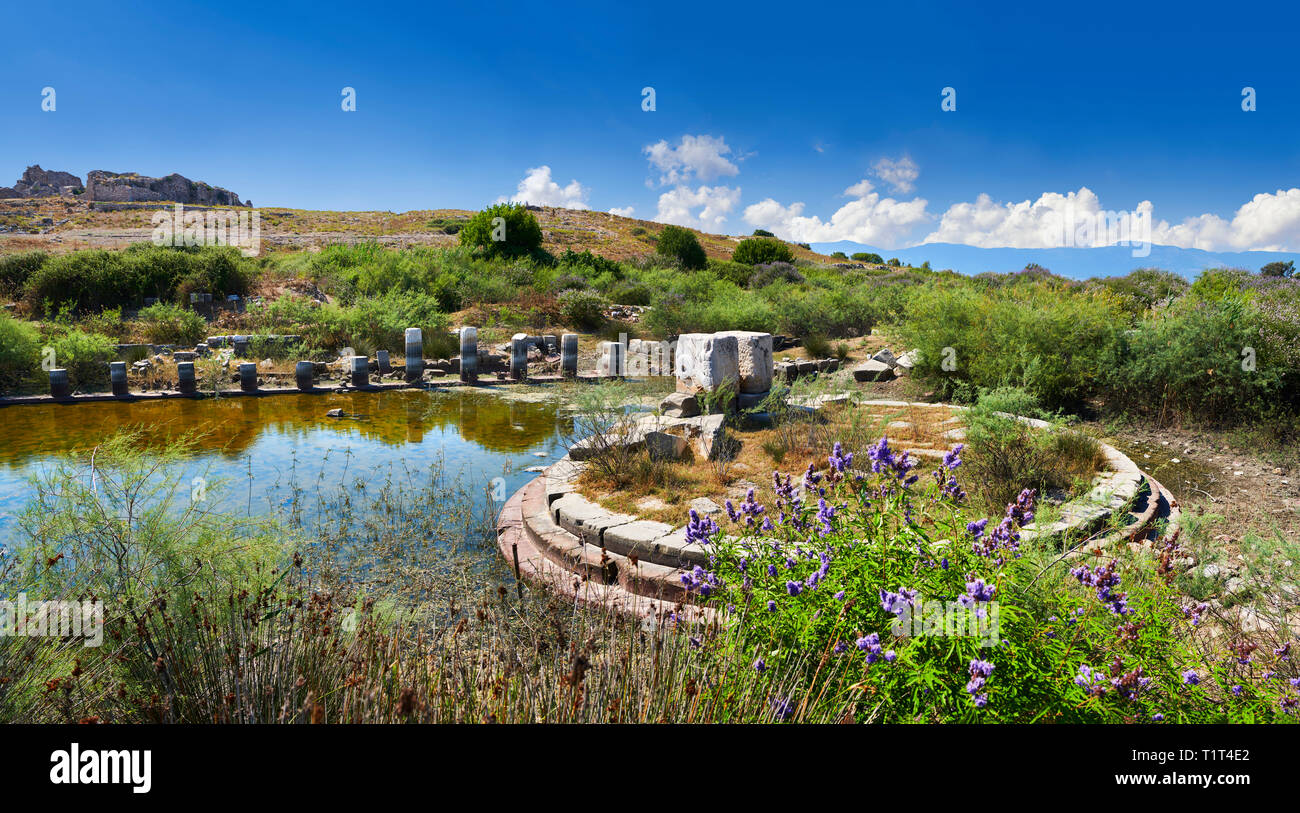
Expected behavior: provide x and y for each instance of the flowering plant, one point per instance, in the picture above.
(876, 591)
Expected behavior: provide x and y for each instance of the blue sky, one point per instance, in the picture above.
(765, 116)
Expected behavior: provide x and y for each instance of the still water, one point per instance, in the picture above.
(256, 454)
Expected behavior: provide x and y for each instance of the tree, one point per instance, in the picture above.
(839, 255)
(867, 257)
(763, 233)
(757, 250)
(1279, 269)
(681, 245)
(506, 229)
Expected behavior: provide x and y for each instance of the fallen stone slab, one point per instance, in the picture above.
(885, 356)
(680, 405)
(873, 371)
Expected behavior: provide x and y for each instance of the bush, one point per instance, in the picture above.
(1054, 344)
(736, 273)
(165, 323)
(817, 346)
(15, 269)
(757, 250)
(765, 274)
(92, 280)
(584, 310)
(20, 347)
(681, 245)
(763, 233)
(1005, 455)
(85, 356)
(1200, 360)
(919, 612)
(522, 235)
(867, 257)
(1279, 269)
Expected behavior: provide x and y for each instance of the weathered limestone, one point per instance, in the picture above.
(885, 356)
(680, 405)
(873, 371)
(612, 361)
(59, 383)
(383, 362)
(360, 371)
(117, 378)
(414, 341)
(241, 345)
(304, 373)
(706, 361)
(753, 359)
(185, 380)
(248, 377)
(569, 354)
(468, 354)
(519, 356)
(663, 445)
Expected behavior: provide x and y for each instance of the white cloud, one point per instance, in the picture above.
(538, 189)
(1267, 222)
(696, 157)
(677, 206)
(622, 211)
(868, 218)
(901, 175)
(1027, 224)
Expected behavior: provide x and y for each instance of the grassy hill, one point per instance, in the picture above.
(60, 225)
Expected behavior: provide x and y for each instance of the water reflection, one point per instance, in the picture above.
(265, 448)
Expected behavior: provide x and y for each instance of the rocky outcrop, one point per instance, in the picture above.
(129, 186)
(40, 183)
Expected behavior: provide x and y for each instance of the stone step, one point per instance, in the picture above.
(592, 562)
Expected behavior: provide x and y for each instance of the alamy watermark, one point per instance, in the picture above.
(1107, 228)
(52, 619)
(212, 227)
(949, 619)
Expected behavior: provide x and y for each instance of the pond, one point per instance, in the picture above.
(276, 456)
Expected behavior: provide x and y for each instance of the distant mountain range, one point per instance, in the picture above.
(1075, 263)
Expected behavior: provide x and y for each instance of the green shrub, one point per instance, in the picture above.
(1054, 344)
(584, 310)
(681, 245)
(1005, 455)
(817, 346)
(92, 280)
(15, 269)
(868, 257)
(165, 323)
(20, 348)
(1199, 360)
(763, 233)
(85, 356)
(519, 232)
(736, 273)
(757, 250)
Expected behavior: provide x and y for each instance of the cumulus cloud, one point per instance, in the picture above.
(539, 189)
(868, 218)
(1027, 224)
(679, 204)
(901, 175)
(622, 211)
(1269, 221)
(700, 157)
